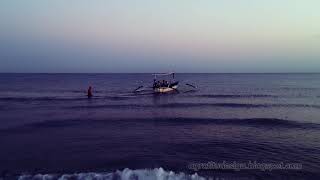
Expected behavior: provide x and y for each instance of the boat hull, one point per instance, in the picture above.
(165, 89)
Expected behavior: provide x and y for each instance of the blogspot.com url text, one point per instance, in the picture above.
(250, 165)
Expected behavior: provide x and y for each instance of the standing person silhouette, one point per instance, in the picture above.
(89, 92)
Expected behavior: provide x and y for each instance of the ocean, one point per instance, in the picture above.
(231, 126)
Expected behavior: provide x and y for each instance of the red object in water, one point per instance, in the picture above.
(90, 92)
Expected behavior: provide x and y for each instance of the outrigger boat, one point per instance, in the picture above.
(163, 85)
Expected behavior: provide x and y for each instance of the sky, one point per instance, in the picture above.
(217, 36)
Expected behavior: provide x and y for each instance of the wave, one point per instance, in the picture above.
(254, 96)
(125, 96)
(253, 122)
(237, 96)
(192, 105)
(250, 122)
(300, 88)
(126, 174)
(27, 99)
(69, 98)
(24, 99)
(119, 97)
(268, 122)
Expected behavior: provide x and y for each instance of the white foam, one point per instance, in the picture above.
(126, 174)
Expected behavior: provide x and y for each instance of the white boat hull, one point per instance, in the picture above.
(165, 89)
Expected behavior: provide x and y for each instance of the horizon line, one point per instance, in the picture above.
(163, 72)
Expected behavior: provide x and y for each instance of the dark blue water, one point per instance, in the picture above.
(49, 126)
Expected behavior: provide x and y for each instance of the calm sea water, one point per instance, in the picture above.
(48, 126)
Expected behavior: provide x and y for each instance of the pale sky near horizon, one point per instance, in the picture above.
(160, 36)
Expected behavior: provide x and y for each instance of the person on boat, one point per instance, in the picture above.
(165, 83)
(89, 94)
(156, 84)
